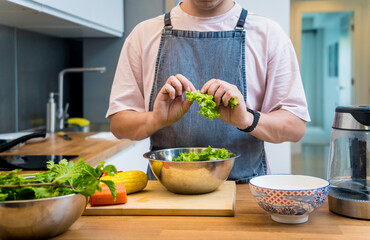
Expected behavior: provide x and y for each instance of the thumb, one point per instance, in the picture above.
(186, 104)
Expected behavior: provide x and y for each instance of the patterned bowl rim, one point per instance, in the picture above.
(287, 190)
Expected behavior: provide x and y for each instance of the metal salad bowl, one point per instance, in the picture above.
(40, 218)
(189, 177)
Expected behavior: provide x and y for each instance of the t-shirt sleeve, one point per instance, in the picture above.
(284, 88)
(127, 87)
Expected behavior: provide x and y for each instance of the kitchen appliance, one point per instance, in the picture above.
(30, 162)
(349, 162)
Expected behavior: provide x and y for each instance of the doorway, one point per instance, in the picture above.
(326, 69)
(328, 37)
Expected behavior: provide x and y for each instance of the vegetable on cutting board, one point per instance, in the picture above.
(105, 197)
(126, 182)
(134, 180)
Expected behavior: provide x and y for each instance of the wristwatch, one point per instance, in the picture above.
(256, 118)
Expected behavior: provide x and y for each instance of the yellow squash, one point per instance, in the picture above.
(134, 180)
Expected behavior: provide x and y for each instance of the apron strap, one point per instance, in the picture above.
(240, 24)
(167, 21)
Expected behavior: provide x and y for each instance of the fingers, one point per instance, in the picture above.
(222, 91)
(177, 85)
(170, 90)
(186, 104)
(187, 85)
(225, 96)
(207, 85)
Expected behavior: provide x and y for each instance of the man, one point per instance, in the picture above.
(217, 47)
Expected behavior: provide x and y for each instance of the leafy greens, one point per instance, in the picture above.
(209, 109)
(206, 155)
(61, 179)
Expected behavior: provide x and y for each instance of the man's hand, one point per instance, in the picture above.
(222, 92)
(170, 106)
(277, 126)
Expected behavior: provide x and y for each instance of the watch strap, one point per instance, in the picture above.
(256, 118)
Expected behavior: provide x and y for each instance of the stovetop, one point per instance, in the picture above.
(30, 162)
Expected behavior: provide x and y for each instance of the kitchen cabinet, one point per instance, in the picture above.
(67, 18)
(131, 158)
(278, 157)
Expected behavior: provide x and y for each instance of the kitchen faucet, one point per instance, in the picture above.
(61, 112)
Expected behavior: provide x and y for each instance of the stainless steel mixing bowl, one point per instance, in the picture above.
(189, 177)
(40, 218)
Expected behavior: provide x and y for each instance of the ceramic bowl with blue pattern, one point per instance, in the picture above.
(289, 198)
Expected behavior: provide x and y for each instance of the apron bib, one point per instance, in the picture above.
(201, 56)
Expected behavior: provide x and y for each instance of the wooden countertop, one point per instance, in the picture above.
(249, 222)
(91, 150)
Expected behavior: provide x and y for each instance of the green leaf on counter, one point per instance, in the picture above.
(61, 179)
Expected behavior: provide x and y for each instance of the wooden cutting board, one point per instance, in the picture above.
(156, 200)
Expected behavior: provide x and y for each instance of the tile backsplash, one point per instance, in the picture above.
(29, 67)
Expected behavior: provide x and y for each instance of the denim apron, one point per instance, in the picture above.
(201, 56)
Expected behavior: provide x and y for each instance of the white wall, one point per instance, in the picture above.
(277, 10)
(278, 155)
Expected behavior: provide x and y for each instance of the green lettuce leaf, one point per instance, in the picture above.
(209, 109)
(207, 154)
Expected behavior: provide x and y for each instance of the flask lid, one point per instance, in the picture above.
(352, 118)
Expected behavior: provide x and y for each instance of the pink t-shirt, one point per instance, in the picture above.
(272, 71)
